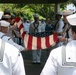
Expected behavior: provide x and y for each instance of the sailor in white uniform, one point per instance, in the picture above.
(11, 61)
(66, 29)
(26, 25)
(36, 27)
(62, 60)
(4, 25)
(59, 26)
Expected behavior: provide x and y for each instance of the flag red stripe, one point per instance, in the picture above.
(55, 36)
(20, 27)
(17, 19)
(47, 41)
(38, 43)
(23, 34)
(30, 40)
(29, 45)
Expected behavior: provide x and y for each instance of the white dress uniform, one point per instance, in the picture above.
(11, 62)
(62, 61)
(36, 53)
(35, 28)
(8, 39)
(26, 26)
(60, 25)
(43, 24)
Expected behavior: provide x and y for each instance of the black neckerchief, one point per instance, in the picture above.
(36, 27)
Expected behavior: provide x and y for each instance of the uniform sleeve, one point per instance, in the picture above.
(50, 67)
(18, 67)
(19, 47)
(31, 29)
(61, 24)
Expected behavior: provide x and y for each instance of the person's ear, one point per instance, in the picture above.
(72, 32)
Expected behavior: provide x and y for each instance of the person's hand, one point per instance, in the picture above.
(62, 39)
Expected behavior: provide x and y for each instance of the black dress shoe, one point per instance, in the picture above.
(33, 62)
(38, 62)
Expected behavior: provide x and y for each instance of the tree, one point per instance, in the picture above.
(45, 10)
(74, 2)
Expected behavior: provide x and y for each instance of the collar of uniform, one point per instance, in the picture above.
(69, 54)
(2, 48)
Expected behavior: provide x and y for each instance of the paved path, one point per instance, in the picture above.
(33, 69)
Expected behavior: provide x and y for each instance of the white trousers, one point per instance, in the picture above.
(36, 55)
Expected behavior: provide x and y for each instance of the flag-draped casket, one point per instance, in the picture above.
(33, 42)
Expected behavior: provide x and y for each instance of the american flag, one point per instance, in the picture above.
(32, 42)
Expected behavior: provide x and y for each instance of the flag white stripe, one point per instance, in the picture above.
(19, 23)
(21, 31)
(34, 43)
(51, 40)
(26, 40)
(43, 45)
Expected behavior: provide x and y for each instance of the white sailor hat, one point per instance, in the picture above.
(1, 13)
(6, 16)
(35, 15)
(67, 12)
(59, 13)
(72, 19)
(25, 17)
(4, 23)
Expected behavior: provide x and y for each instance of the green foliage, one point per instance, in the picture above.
(44, 10)
(6, 6)
(19, 5)
(74, 2)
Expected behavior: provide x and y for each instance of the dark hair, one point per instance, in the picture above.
(73, 28)
(4, 19)
(13, 16)
(6, 11)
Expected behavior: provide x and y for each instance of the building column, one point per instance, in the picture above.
(57, 8)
